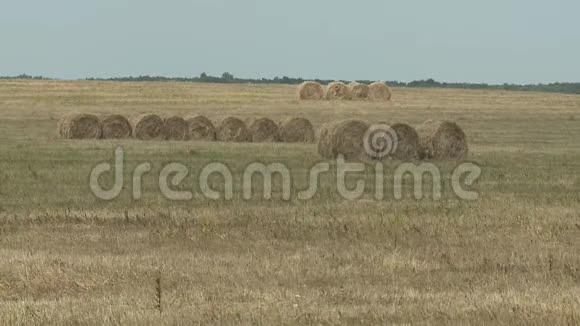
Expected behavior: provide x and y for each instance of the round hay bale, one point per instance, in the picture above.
(148, 127)
(310, 90)
(233, 129)
(263, 130)
(442, 140)
(398, 141)
(379, 91)
(116, 126)
(343, 138)
(338, 91)
(201, 128)
(324, 141)
(175, 128)
(296, 130)
(407, 142)
(359, 91)
(80, 126)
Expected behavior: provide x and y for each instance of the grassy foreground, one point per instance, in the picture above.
(66, 257)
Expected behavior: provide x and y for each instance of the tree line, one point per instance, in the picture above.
(228, 78)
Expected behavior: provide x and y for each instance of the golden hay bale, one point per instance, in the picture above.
(148, 127)
(116, 126)
(338, 91)
(379, 91)
(397, 141)
(359, 91)
(442, 140)
(263, 130)
(310, 90)
(233, 129)
(201, 128)
(296, 130)
(407, 142)
(80, 126)
(175, 128)
(343, 138)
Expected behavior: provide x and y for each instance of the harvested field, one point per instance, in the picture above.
(510, 257)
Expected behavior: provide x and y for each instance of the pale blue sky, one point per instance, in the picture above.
(493, 41)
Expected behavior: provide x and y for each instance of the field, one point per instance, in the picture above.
(67, 257)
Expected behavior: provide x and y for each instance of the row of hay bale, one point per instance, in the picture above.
(197, 128)
(433, 140)
(441, 140)
(311, 90)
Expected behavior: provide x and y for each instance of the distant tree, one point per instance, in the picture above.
(226, 77)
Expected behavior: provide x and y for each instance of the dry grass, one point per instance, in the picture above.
(509, 258)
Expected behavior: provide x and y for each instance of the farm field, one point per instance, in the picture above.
(67, 257)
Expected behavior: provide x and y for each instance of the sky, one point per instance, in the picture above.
(493, 41)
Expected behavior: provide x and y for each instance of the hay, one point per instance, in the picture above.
(310, 90)
(343, 138)
(359, 91)
(404, 142)
(442, 140)
(263, 130)
(116, 126)
(379, 91)
(407, 142)
(80, 126)
(148, 127)
(201, 128)
(296, 130)
(338, 91)
(175, 128)
(233, 129)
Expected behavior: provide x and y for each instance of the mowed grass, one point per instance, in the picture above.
(66, 257)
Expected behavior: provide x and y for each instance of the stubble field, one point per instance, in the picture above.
(67, 257)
